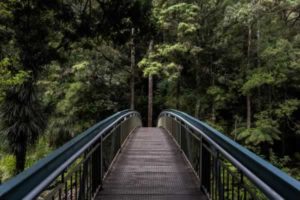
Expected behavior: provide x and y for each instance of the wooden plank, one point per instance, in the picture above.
(150, 167)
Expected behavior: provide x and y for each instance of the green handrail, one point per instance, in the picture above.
(279, 181)
(20, 185)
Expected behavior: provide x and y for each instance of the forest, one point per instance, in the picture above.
(67, 64)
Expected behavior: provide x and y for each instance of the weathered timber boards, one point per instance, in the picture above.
(150, 166)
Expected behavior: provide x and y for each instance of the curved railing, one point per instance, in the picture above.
(75, 170)
(226, 170)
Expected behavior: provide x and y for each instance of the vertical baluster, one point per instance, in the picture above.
(95, 171)
(179, 137)
(101, 161)
(232, 187)
(83, 180)
(71, 186)
(66, 189)
(214, 177)
(85, 171)
(79, 183)
(223, 181)
(200, 161)
(89, 178)
(76, 179)
(93, 190)
(64, 184)
(59, 194)
(240, 184)
(212, 185)
(206, 170)
(88, 183)
(219, 184)
(121, 135)
(99, 166)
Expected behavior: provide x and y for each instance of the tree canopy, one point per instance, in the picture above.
(64, 65)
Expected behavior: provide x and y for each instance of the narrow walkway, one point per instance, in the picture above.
(150, 166)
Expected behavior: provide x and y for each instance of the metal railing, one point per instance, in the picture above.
(75, 170)
(226, 170)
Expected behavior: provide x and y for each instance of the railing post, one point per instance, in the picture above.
(96, 168)
(200, 160)
(83, 177)
(179, 137)
(182, 139)
(101, 162)
(171, 128)
(220, 191)
(118, 138)
(206, 170)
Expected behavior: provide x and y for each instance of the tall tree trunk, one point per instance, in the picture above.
(248, 97)
(132, 82)
(259, 104)
(248, 111)
(213, 108)
(150, 91)
(235, 128)
(150, 100)
(198, 102)
(178, 93)
(20, 156)
(213, 113)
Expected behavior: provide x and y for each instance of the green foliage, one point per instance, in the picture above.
(179, 23)
(9, 79)
(217, 126)
(65, 66)
(218, 95)
(41, 149)
(83, 92)
(257, 80)
(243, 13)
(182, 17)
(159, 62)
(37, 38)
(221, 52)
(287, 108)
(284, 164)
(7, 166)
(266, 130)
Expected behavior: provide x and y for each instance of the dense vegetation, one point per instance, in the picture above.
(65, 65)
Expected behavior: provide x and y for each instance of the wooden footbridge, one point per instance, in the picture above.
(182, 158)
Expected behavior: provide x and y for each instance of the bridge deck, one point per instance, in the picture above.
(150, 166)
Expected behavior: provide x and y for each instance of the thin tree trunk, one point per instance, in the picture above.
(248, 111)
(213, 113)
(258, 43)
(150, 100)
(258, 59)
(178, 93)
(235, 127)
(198, 103)
(150, 92)
(248, 97)
(132, 82)
(213, 108)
